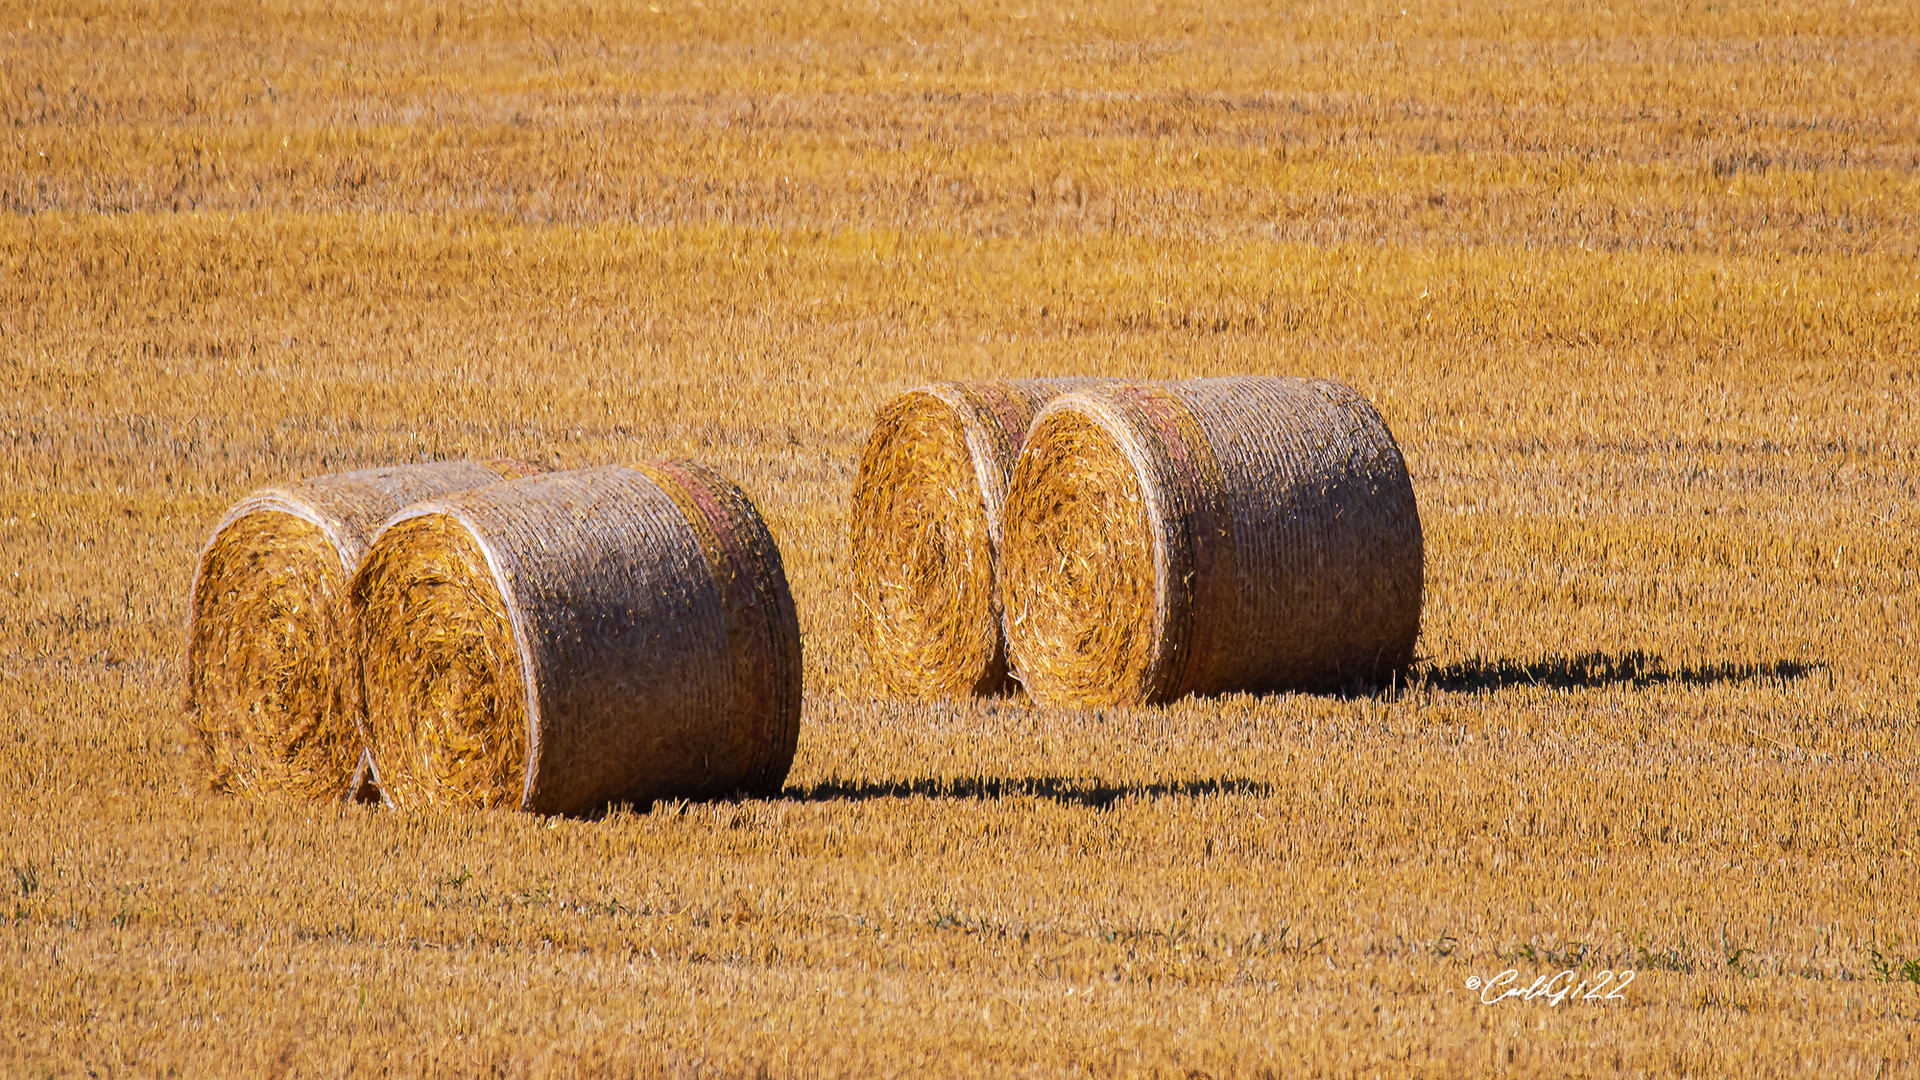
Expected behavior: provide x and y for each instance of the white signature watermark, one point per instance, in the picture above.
(1550, 987)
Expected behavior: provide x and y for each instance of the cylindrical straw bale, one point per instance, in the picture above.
(578, 639)
(270, 678)
(926, 532)
(1210, 536)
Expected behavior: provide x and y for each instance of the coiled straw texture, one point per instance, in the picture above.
(579, 639)
(926, 533)
(271, 680)
(1218, 535)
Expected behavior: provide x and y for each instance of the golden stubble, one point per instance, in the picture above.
(1632, 287)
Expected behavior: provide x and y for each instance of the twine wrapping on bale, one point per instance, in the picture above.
(579, 639)
(1210, 536)
(926, 533)
(270, 683)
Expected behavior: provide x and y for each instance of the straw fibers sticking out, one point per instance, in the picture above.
(578, 639)
(926, 533)
(270, 682)
(1210, 536)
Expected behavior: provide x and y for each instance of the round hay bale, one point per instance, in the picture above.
(926, 533)
(578, 639)
(270, 682)
(1210, 536)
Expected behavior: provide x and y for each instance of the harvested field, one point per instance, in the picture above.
(1637, 293)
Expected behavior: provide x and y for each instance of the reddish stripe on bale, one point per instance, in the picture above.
(748, 607)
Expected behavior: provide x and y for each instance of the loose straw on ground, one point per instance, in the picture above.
(926, 533)
(579, 639)
(270, 678)
(1210, 536)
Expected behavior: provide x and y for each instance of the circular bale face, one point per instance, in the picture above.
(1218, 535)
(575, 640)
(923, 555)
(1082, 591)
(264, 699)
(445, 701)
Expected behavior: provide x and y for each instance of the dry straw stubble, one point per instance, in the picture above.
(926, 532)
(1210, 536)
(271, 686)
(578, 639)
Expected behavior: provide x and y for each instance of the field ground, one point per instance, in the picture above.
(1639, 293)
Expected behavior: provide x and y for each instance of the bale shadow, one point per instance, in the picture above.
(1597, 670)
(1063, 790)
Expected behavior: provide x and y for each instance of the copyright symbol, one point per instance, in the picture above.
(1473, 982)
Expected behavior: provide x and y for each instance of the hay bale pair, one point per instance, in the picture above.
(1147, 540)
(553, 642)
(272, 681)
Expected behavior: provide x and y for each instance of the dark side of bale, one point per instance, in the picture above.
(579, 639)
(926, 533)
(270, 676)
(1204, 537)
